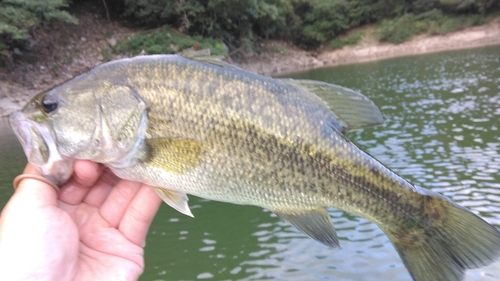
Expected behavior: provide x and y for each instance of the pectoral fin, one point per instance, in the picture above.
(175, 199)
(174, 155)
(315, 223)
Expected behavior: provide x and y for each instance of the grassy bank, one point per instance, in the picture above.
(167, 40)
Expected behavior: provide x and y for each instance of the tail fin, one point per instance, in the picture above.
(449, 240)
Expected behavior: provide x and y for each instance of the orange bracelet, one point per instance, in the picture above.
(19, 178)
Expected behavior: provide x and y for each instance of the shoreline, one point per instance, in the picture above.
(295, 60)
(281, 58)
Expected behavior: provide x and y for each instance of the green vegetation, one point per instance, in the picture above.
(19, 18)
(400, 29)
(106, 54)
(167, 41)
(350, 39)
(308, 23)
(433, 22)
(239, 24)
(449, 24)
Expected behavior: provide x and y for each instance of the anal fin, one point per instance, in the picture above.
(316, 223)
(174, 199)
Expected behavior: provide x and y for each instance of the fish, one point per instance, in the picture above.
(193, 124)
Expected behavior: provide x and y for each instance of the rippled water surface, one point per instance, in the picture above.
(442, 114)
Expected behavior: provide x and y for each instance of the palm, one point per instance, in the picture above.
(95, 230)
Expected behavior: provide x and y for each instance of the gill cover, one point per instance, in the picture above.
(89, 118)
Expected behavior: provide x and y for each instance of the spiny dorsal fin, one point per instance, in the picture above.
(350, 107)
(315, 223)
(203, 55)
(174, 199)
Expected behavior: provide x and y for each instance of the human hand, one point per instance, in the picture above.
(94, 229)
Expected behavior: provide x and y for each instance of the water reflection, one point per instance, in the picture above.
(300, 258)
(12, 160)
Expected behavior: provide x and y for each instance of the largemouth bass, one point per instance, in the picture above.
(200, 127)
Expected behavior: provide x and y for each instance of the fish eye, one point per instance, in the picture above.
(48, 105)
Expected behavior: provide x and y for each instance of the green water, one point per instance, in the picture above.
(442, 131)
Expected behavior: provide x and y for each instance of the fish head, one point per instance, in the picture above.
(35, 131)
(84, 118)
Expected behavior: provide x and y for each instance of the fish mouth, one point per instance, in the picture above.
(39, 145)
(31, 139)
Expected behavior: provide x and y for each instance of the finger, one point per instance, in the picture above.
(101, 190)
(32, 192)
(30, 169)
(139, 215)
(113, 209)
(86, 173)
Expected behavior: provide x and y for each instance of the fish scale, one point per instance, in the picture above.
(286, 156)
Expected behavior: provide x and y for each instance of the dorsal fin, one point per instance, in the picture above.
(203, 55)
(350, 107)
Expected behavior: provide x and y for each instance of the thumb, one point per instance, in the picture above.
(32, 193)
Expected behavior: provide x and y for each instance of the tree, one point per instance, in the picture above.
(19, 17)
